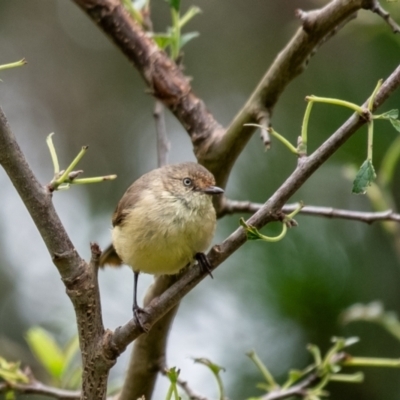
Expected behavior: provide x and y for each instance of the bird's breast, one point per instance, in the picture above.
(161, 236)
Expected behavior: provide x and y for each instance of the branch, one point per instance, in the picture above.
(219, 253)
(317, 27)
(234, 207)
(214, 147)
(298, 390)
(161, 74)
(377, 8)
(163, 144)
(37, 199)
(38, 388)
(79, 277)
(149, 351)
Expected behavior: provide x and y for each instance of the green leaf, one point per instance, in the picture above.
(175, 4)
(215, 368)
(392, 114)
(163, 40)
(173, 374)
(187, 37)
(10, 372)
(396, 124)
(365, 176)
(46, 350)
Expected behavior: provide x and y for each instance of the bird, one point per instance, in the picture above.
(164, 222)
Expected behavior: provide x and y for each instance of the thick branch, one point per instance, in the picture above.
(161, 305)
(79, 278)
(369, 217)
(162, 75)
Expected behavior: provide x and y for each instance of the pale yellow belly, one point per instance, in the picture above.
(158, 248)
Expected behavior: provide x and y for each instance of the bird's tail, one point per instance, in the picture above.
(110, 257)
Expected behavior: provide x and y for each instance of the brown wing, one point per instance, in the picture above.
(129, 199)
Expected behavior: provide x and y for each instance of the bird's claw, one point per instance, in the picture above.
(204, 263)
(136, 315)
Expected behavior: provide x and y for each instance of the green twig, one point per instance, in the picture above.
(272, 385)
(70, 168)
(278, 136)
(253, 233)
(358, 377)
(19, 63)
(373, 95)
(337, 102)
(176, 32)
(97, 179)
(188, 16)
(53, 153)
(371, 362)
(302, 148)
(215, 369)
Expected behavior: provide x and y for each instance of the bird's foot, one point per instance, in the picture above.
(204, 263)
(136, 315)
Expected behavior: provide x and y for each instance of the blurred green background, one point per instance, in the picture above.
(274, 298)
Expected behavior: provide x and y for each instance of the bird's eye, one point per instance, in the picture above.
(187, 181)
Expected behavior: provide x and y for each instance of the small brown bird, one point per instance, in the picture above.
(164, 221)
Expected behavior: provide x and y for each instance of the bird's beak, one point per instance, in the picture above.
(213, 190)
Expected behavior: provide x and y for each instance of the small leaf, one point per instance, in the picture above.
(396, 124)
(162, 40)
(173, 374)
(365, 176)
(316, 353)
(175, 4)
(216, 369)
(189, 14)
(392, 114)
(251, 232)
(46, 350)
(11, 373)
(187, 37)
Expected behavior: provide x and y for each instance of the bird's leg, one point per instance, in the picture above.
(136, 309)
(204, 263)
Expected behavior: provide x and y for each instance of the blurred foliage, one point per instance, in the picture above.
(288, 293)
(60, 363)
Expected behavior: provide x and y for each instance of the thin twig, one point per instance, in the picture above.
(377, 8)
(235, 207)
(163, 144)
(38, 388)
(298, 390)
